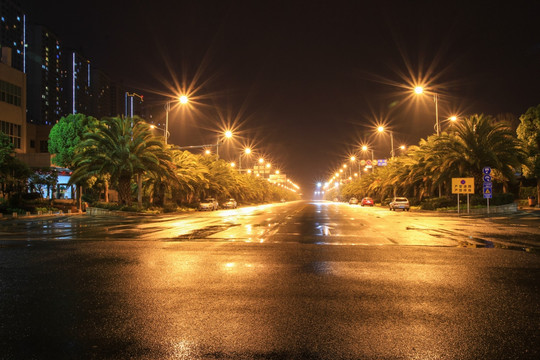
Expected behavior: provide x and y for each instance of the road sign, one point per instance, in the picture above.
(368, 162)
(486, 170)
(462, 185)
(381, 162)
(487, 178)
(487, 190)
(363, 162)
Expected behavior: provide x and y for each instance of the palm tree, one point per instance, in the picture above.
(478, 142)
(123, 148)
(191, 175)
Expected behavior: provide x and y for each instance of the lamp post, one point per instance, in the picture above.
(381, 129)
(183, 100)
(228, 134)
(364, 149)
(420, 90)
(353, 159)
(162, 129)
(246, 151)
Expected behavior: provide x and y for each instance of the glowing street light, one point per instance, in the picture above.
(158, 128)
(420, 90)
(183, 100)
(246, 151)
(366, 148)
(227, 135)
(381, 130)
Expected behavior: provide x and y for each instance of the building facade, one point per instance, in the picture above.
(13, 32)
(12, 102)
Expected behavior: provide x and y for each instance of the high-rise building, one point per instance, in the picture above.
(102, 95)
(77, 82)
(45, 62)
(13, 32)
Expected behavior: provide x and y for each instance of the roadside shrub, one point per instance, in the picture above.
(498, 199)
(526, 191)
(437, 203)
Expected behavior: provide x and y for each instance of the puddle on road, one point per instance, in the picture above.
(203, 233)
(487, 244)
(474, 242)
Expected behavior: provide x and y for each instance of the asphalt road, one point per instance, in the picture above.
(287, 281)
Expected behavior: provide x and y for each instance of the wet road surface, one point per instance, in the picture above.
(290, 281)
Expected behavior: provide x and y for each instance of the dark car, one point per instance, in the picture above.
(230, 204)
(208, 204)
(399, 203)
(353, 201)
(367, 201)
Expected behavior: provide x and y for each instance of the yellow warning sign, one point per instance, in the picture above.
(462, 185)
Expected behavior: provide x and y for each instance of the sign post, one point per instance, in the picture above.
(463, 186)
(487, 186)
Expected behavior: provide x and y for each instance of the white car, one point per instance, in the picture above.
(399, 203)
(210, 204)
(230, 204)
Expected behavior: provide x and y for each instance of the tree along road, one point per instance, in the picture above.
(287, 281)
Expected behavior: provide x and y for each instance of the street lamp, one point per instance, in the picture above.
(183, 100)
(364, 149)
(246, 151)
(158, 128)
(381, 129)
(420, 90)
(227, 135)
(353, 159)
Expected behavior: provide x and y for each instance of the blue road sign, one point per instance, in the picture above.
(486, 170)
(381, 162)
(487, 190)
(487, 178)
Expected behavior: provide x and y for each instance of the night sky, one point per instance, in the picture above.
(305, 81)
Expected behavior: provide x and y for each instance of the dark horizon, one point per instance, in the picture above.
(306, 81)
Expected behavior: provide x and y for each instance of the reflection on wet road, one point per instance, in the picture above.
(303, 222)
(301, 280)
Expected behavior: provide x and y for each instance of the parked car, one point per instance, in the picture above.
(210, 204)
(353, 201)
(230, 204)
(367, 201)
(399, 203)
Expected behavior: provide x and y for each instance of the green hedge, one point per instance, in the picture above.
(437, 203)
(451, 201)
